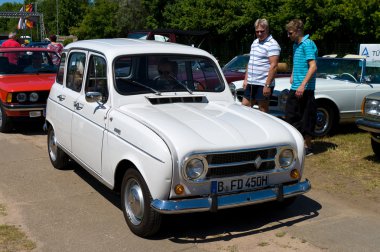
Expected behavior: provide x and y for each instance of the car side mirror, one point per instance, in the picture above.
(94, 96)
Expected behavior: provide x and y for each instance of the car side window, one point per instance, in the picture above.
(61, 69)
(96, 80)
(75, 71)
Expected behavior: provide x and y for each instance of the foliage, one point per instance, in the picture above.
(99, 22)
(67, 41)
(334, 24)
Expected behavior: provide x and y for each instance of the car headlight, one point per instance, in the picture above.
(195, 168)
(286, 158)
(33, 97)
(372, 107)
(21, 97)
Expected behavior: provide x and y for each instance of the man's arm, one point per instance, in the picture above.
(273, 61)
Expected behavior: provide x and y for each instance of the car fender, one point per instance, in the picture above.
(127, 140)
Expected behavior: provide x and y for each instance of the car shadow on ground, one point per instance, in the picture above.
(28, 127)
(222, 225)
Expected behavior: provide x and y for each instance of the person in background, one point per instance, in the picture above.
(55, 46)
(11, 41)
(301, 107)
(261, 69)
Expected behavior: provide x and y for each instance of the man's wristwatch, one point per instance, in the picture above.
(267, 85)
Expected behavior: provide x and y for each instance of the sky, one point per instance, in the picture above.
(11, 1)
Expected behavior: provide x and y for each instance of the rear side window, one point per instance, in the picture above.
(75, 71)
(61, 69)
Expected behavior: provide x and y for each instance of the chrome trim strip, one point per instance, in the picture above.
(228, 201)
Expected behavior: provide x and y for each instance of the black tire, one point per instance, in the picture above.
(58, 158)
(376, 145)
(325, 121)
(135, 202)
(5, 121)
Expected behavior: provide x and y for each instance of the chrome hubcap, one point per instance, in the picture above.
(134, 201)
(52, 146)
(322, 122)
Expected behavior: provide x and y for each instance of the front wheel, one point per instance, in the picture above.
(135, 202)
(324, 121)
(58, 157)
(5, 121)
(375, 143)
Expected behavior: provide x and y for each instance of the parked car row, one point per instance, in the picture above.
(172, 139)
(341, 85)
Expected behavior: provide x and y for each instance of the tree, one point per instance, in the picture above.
(99, 22)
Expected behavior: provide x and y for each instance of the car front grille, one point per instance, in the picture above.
(240, 163)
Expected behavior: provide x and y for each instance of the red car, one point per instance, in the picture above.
(26, 76)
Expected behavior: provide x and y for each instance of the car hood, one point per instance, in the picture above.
(26, 82)
(211, 126)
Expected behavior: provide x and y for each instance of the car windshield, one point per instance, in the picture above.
(166, 73)
(26, 62)
(239, 63)
(338, 68)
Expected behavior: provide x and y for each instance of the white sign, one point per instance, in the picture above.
(371, 51)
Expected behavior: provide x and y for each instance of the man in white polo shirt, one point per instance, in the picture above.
(261, 68)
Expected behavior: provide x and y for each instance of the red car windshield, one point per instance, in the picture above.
(26, 62)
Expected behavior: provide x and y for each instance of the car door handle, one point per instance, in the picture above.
(61, 97)
(78, 106)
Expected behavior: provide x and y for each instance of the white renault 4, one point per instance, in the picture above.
(157, 123)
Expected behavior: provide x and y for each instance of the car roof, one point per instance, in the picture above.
(121, 46)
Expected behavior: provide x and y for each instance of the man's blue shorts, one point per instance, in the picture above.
(255, 93)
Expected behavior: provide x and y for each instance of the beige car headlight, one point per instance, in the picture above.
(286, 158)
(372, 107)
(195, 168)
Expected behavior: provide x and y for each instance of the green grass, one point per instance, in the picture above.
(345, 163)
(12, 239)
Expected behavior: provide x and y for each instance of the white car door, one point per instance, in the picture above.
(88, 123)
(63, 95)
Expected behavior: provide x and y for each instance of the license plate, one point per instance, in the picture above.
(34, 113)
(239, 184)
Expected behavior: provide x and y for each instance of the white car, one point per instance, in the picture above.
(341, 85)
(169, 143)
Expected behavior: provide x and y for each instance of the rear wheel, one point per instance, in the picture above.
(58, 157)
(5, 121)
(135, 202)
(325, 120)
(375, 142)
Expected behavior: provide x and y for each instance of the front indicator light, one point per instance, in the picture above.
(295, 174)
(9, 97)
(179, 189)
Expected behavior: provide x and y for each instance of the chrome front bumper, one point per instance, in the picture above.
(367, 125)
(215, 202)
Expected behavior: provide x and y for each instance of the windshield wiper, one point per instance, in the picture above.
(181, 84)
(156, 92)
